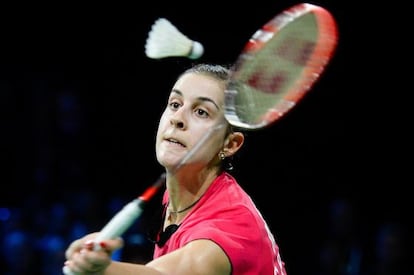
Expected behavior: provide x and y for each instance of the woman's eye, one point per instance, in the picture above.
(201, 112)
(174, 105)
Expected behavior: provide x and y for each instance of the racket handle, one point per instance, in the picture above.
(125, 217)
(117, 225)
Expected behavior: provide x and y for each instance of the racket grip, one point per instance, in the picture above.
(117, 225)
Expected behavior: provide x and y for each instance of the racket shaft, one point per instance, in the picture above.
(121, 221)
(128, 214)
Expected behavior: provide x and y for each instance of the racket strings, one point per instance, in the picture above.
(279, 65)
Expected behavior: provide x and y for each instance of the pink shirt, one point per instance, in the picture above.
(227, 216)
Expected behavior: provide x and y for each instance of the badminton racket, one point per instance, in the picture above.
(276, 68)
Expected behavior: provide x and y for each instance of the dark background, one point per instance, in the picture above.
(80, 103)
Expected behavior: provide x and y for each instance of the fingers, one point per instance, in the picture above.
(88, 260)
(85, 256)
(78, 244)
(73, 247)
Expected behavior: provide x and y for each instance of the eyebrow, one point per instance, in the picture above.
(201, 98)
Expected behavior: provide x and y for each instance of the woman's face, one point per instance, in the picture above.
(194, 107)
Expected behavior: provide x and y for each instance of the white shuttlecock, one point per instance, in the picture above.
(165, 40)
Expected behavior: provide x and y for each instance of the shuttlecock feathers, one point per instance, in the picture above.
(165, 40)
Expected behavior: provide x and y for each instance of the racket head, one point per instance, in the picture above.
(279, 65)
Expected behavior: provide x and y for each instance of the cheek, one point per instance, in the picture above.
(163, 121)
(211, 142)
(161, 127)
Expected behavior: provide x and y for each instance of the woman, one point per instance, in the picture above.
(210, 226)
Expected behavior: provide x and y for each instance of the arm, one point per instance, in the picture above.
(197, 257)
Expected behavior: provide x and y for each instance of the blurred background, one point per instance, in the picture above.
(80, 104)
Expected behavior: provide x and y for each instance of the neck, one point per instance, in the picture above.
(185, 208)
(181, 187)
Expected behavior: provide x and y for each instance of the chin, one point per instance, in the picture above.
(169, 161)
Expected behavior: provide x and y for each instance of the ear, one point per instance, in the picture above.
(233, 143)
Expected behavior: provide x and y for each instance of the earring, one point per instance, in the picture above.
(222, 155)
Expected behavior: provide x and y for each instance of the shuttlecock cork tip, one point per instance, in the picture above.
(197, 50)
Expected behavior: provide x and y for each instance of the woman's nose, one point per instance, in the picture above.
(178, 123)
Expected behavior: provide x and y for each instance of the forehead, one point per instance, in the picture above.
(200, 85)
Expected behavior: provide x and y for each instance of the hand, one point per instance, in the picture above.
(85, 256)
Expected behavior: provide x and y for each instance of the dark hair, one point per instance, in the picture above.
(219, 72)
